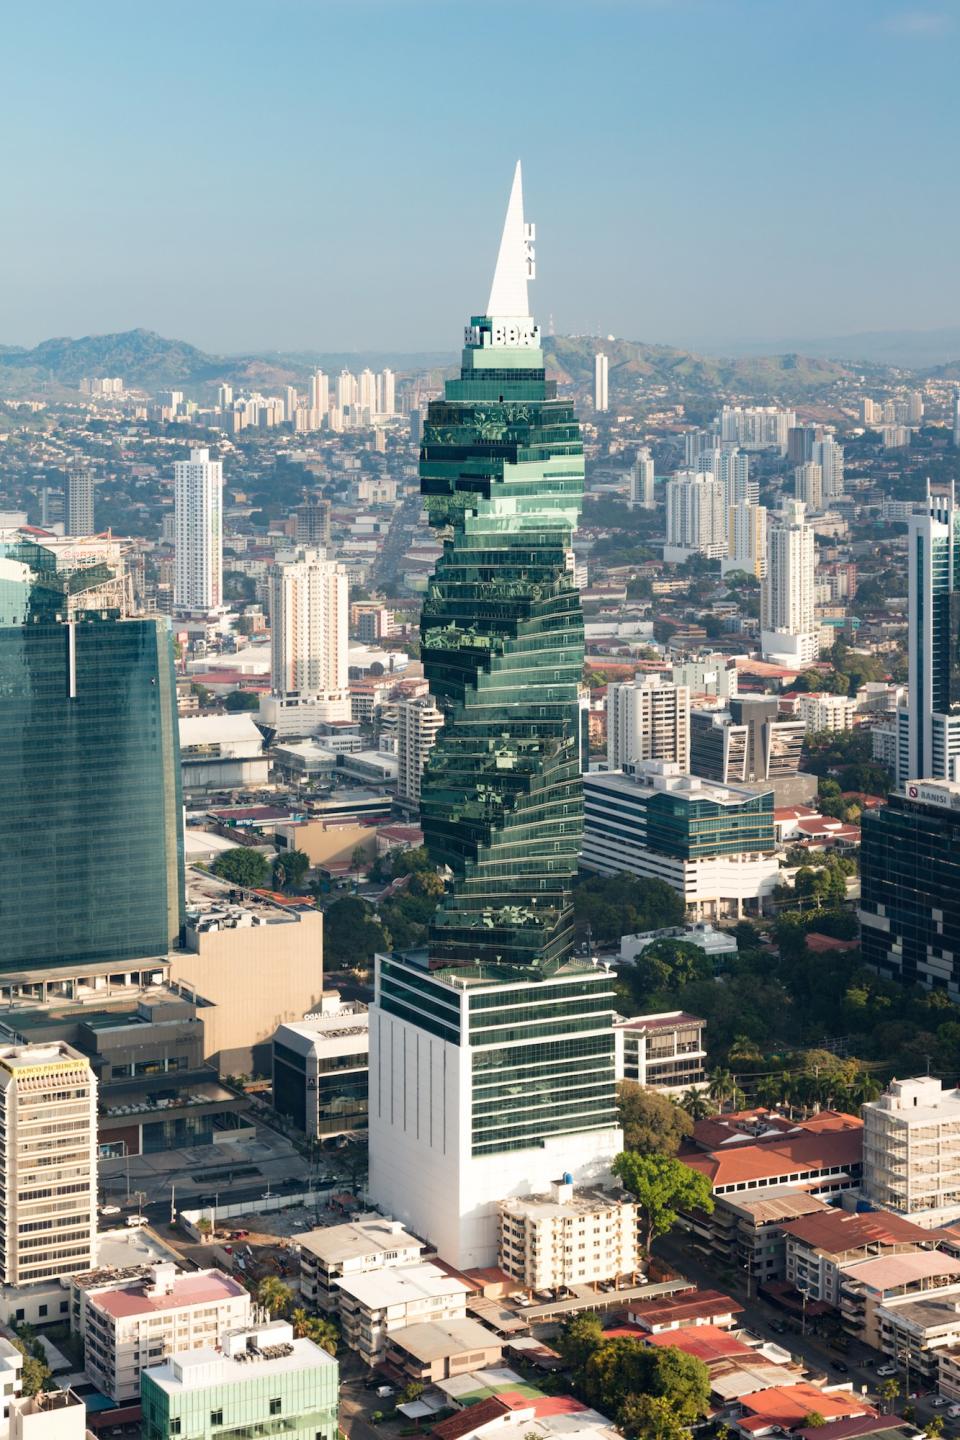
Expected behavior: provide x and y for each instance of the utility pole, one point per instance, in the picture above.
(173, 1208)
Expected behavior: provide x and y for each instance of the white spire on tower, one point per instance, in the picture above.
(515, 262)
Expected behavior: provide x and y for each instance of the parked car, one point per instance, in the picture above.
(839, 1366)
(884, 1371)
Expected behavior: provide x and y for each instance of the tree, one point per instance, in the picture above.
(290, 869)
(579, 1337)
(410, 1392)
(239, 700)
(352, 934)
(274, 1296)
(696, 1104)
(323, 1333)
(242, 866)
(662, 1186)
(651, 1417)
(652, 1124)
(34, 1375)
(813, 1421)
(889, 1392)
(934, 1427)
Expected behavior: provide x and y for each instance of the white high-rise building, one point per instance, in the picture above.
(956, 419)
(320, 394)
(601, 382)
(224, 396)
(79, 501)
(648, 719)
(347, 389)
(756, 427)
(747, 544)
(808, 485)
(641, 482)
(418, 721)
(829, 456)
(789, 634)
(48, 1162)
(732, 468)
(928, 746)
(388, 396)
(309, 611)
(696, 522)
(367, 391)
(198, 508)
(291, 401)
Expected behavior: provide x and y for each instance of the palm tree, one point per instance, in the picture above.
(696, 1104)
(771, 1090)
(722, 1084)
(274, 1296)
(864, 1089)
(300, 1321)
(324, 1334)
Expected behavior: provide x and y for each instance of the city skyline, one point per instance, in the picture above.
(824, 110)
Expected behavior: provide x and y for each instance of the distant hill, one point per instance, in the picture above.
(148, 361)
(902, 349)
(774, 376)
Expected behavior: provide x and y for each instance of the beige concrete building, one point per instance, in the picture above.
(328, 842)
(418, 722)
(250, 964)
(364, 1245)
(137, 1324)
(48, 1162)
(911, 1151)
(374, 1305)
(569, 1237)
(439, 1349)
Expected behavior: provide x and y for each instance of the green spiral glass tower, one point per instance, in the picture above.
(501, 472)
(492, 1052)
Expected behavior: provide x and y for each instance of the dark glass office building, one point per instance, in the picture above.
(910, 886)
(90, 822)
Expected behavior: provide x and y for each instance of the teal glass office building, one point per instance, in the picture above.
(90, 823)
(259, 1385)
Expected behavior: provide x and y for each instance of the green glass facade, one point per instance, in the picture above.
(910, 892)
(90, 826)
(261, 1399)
(502, 645)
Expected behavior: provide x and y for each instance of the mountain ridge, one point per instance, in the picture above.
(148, 360)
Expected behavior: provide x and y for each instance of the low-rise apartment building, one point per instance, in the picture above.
(749, 1229)
(569, 1237)
(818, 1246)
(375, 1304)
(914, 1331)
(866, 1285)
(138, 1324)
(437, 1349)
(360, 1247)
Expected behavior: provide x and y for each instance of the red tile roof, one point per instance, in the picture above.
(464, 1422)
(684, 1309)
(786, 1404)
(835, 1231)
(706, 1342)
(781, 1157)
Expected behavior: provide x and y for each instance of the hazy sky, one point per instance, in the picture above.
(332, 174)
